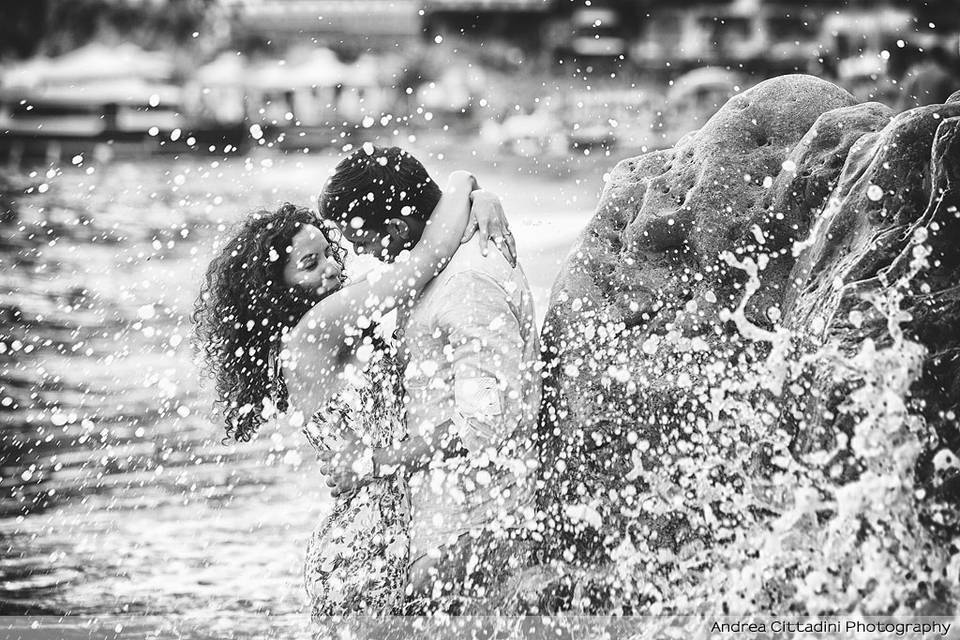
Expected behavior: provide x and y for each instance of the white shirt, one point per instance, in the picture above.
(471, 350)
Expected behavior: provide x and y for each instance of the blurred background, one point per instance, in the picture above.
(516, 76)
(135, 133)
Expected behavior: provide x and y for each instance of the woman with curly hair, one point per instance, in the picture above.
(246, 305)
(282, 328)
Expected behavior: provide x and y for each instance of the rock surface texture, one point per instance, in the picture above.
(756, 342)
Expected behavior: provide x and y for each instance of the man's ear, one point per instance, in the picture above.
(398, 228)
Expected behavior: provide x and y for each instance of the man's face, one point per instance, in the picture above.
(384, 243)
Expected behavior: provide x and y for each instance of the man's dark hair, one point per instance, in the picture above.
(376, 185)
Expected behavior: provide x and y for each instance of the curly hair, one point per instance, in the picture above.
(242, 310)
(377, 185)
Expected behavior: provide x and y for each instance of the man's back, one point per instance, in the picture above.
(472, 349)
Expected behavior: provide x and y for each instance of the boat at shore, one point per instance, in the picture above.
(129, 119)
(105, 101)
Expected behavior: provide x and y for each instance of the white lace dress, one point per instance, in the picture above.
(357, 559)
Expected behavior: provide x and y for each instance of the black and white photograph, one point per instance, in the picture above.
(479, 319)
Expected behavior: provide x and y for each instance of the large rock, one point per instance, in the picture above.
(647, 269)
(898, 198)
(799, 192)
(697, 369)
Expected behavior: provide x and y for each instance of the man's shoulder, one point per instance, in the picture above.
(469, 278)
(469, 259)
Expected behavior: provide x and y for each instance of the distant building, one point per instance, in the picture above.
(665, 36)
(769, 36)
(340, 24)
(521, 22)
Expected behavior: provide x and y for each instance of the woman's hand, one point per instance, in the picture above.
(487, 217)
(347, 468)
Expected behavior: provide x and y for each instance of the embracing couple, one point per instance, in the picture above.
(399, 326)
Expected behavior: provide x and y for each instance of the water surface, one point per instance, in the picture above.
(117, 495)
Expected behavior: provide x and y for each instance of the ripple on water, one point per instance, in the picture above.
(116, 492)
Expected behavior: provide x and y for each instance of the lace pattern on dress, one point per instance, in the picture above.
(357, 559)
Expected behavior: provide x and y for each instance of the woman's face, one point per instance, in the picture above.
(311, 263)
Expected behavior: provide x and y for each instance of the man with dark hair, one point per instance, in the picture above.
(472, 389)
(381, 199)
